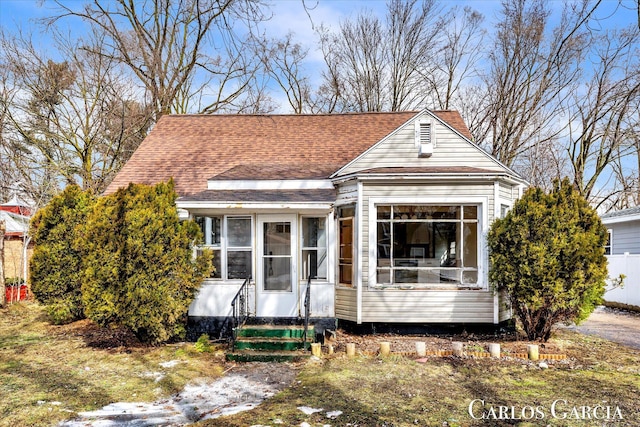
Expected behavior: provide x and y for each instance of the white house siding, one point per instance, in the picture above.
(504, 312)
(347, 193)
(506, 192)
(346, 304)
(400, 150)
(214, 299)
(626, 237)
(427, 306)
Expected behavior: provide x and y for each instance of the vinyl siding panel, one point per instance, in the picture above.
(506, 191)
(347, 192)
(346, 304)
(626, 237)
(424, 306)
(400, 150)
(504, 312)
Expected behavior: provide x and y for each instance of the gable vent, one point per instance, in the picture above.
(425, 140)
(425, 133)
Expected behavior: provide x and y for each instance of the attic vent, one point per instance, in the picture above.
(425, 140)
(425, 133)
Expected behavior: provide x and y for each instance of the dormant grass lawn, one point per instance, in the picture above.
(48, 373)
(399, 391)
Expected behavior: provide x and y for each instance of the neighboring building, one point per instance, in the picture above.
(388, 212)
(623, 253)
(17, 245)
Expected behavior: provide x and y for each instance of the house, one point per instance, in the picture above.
(623, 253)
(18, 248)
(386, 212)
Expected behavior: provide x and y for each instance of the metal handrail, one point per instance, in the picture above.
(307, 311)
(239, 310)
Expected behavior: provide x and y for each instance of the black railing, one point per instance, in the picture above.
(239, 310)
(307, 311)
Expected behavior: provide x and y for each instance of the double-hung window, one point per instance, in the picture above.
(230, 239)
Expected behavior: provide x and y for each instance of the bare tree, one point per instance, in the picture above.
(283, 60)
(3, 289)
(177, 48)
(532, 70)
(601, 127)
(73, 121)
(457, 59)
(378, 65)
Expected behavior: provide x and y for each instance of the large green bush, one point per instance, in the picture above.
(547, 255)
(139, 266)
(56, 265)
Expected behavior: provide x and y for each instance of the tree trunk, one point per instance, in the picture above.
(3, 293)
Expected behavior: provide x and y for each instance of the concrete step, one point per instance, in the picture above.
(276, 331)
(267, 356)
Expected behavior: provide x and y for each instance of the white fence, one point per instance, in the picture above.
(629, 265)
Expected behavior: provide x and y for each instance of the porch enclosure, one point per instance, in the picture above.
(278, 252)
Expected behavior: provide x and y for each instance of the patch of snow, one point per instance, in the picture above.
(228, 395)
(308, 410)
(169, 364)
(334, 414)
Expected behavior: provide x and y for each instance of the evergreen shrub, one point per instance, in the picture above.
(547, 256)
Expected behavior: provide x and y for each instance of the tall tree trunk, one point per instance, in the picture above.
(3, 293)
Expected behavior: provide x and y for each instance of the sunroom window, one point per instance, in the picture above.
(211, 227)
(314, 248)
(427, 245)
(230, 240)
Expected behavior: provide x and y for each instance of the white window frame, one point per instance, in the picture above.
(610, 245)
(224, 246)
(481, 202)
(303, 248)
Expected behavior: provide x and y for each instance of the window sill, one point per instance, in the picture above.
(434, 287)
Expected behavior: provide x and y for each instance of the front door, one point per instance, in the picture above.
(276, 284)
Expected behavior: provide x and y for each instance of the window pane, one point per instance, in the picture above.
(470, 258)
(384, 243)
(383, 276)
(384, 212)
(405, 276)
(346, 211)
(470, 277)
(239, 232)
(447, 243)
(277, 274)
(445, 212)
(238, 264)
(277, 238)
(314, 263)
(470, 212)
(400, 249)
(313, 233)
(345, 274)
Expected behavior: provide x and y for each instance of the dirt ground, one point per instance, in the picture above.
(612, 324)
(615, 325)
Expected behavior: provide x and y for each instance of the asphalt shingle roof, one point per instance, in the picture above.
(192, 149)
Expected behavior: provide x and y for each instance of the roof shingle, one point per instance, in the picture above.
(192, 149)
